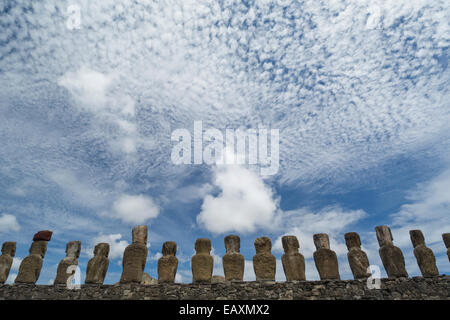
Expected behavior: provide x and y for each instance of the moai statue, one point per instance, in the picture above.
(325, 259)
(293, 261)
(357, 258)
(63, 273)
(264, 262)
(98, 265)
(6, 260)
(446, 238)
(424, 256)
(391, 256)
(168, 263)
(233, 261)
(31, 266)
(135, 256)
(202, 262)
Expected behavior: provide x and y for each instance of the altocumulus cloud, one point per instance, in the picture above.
(351, 85)
(8, 223)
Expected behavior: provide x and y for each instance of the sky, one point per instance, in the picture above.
(92, 92)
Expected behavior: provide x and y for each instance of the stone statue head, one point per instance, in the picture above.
(9, 248)
(321, 241)
(417, 237)
(446, 238)
(263, 245)
(102, 250)
(140, 234)
(169, 248)
(352, 240)
(203, 245)
(39, 247)
(290, 244)
(73, 249)
(232, 243)
(384, 235)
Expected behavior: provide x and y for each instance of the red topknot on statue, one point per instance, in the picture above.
(43, 235)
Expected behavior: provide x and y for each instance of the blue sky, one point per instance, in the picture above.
(357, 89)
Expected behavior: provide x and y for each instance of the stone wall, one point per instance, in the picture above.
(400, 288)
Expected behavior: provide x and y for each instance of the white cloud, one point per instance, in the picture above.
(16, 263)
(11, 278)
(134, 209)
(178, 278)
(155, 257)
(192, 192)
(427, 210)
(116, 246)
(89, 87)
(217, 266)
(249, 272)
(8, 223)
(244, 204)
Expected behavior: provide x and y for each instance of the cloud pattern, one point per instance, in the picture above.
(86, 114)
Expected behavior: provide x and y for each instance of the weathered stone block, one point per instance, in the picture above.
(218, 279)
(148, 280)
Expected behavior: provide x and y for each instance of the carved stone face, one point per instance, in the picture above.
(203, 245)
(352, 240)
(140, 234)
(417, 237)
(232, 243)
(321, 241)
(446, 238)
(73, 249)
(9, 248)
(169, 248)
(290, 243)
(39, 248)
(263, 245)
(384, 235)
(102, 250)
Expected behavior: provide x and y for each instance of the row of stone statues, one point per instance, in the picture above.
(264, 262)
